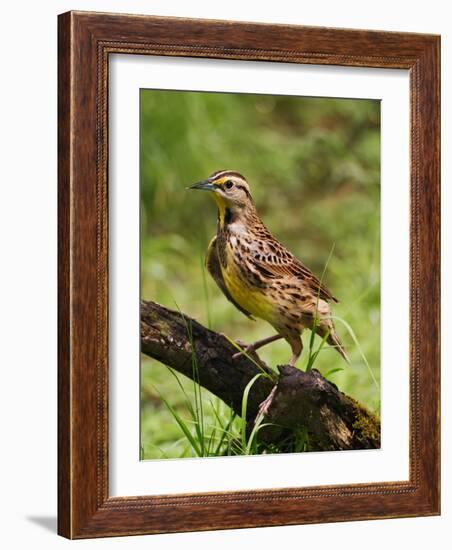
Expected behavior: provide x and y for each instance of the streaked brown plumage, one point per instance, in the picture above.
(259, 275)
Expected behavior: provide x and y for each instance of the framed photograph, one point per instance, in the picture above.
(271, 356)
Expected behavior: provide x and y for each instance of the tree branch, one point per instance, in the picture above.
(302, 402)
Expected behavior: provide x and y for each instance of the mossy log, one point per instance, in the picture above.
(302, 401)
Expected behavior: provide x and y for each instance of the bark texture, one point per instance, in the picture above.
(303, 402)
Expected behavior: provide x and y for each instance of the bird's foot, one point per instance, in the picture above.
(266, 404)
(247, 350)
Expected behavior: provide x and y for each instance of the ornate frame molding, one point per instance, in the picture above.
(85, 42)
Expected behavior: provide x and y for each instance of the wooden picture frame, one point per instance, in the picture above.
(85, 42)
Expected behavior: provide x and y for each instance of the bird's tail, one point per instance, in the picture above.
(334, 340)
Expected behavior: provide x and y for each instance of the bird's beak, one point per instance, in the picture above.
(203, 185)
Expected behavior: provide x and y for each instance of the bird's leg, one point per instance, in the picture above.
(265, 405)
(251, 348)
(297, 347)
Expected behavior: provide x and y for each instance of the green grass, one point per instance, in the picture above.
(209, 428)
(314, 169)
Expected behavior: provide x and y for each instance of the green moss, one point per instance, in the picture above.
(366, 425)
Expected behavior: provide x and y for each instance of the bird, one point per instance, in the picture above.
(259, 275)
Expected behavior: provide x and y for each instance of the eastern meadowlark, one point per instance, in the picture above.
(259, 275)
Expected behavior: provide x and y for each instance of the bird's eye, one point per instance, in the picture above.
(229, 184)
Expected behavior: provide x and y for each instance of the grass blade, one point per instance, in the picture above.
(332, 371)
(244, 409)
(357, 344)
(183, 426)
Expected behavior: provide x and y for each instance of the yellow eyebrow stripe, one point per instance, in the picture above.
(220, 181)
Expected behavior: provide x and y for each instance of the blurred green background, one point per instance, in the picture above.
(313, 165)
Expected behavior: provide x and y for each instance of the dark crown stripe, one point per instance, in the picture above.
(224, 173)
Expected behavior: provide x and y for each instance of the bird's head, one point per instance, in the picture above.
(230, 191)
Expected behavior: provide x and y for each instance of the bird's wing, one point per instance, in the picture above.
(274, 261)
(214, 268)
